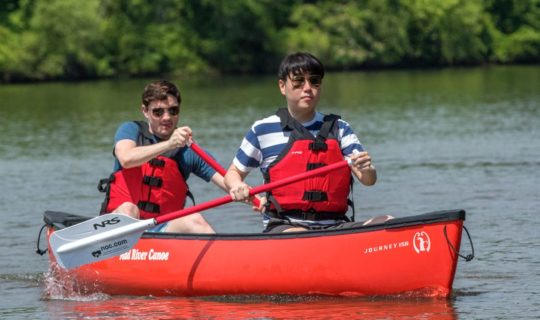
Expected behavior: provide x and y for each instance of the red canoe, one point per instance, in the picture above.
(412, 255)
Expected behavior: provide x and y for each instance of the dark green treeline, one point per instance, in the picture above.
(80, 39)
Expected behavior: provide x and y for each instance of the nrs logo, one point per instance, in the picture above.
(105, 223)
(421, 242)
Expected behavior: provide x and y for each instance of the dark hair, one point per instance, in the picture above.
(158, 90)
(300, 62)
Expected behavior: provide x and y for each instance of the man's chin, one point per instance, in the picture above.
(305, 105)
(164, 134)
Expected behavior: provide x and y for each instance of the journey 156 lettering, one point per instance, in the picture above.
(386, 247)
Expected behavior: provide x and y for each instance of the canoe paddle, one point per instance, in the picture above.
(215, 165)
(112, 234)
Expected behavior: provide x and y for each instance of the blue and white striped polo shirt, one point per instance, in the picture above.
(266, 139)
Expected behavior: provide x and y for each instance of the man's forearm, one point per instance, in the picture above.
(232, 177)
(137, 156)
(367, 176)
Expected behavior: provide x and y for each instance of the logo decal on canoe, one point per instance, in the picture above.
(421, 242)
(150, 255)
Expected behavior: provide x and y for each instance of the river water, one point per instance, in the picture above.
(440, 139)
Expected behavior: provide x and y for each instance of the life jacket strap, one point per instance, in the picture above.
(190, 195)
(318, 145)
(314, 195)
(350, 200)
(148, 206)
(157, 162)
(320, 141)
(314, 165)
(272, 201)
(153, 181)
(103, 184)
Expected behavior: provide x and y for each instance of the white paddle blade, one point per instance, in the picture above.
(97, 239)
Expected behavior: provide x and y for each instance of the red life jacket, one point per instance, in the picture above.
(157, 187)
(324, 197)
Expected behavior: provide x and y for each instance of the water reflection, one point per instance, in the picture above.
(277, 307)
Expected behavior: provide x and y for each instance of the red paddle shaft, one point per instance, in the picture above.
(214, 164)
(252, 192)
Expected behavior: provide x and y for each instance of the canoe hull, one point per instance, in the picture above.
(414, 257)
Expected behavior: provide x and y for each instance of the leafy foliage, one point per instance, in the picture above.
(71, 39)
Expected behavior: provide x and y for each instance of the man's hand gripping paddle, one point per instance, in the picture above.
(215, 165)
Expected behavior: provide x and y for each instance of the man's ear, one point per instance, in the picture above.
(281, 85)
(144, 111)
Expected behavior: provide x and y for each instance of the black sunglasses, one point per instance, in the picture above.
(299, 81)
(158, 112)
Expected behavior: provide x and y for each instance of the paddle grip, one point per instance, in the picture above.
(252, 192)
(214, 164)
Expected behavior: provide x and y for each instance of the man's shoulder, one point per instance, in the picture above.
(322, 117)
(270, 119)
(127, 130)
(343, 124)
(266, 125)
(129, 125)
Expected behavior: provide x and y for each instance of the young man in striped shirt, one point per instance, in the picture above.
(283, 144)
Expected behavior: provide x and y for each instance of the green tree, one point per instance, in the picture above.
(149, 37)
(516, 29)
(238, 36)
(53, 39)
(72, 39)
(446, 32)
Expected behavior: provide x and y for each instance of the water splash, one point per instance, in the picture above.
(60, 285)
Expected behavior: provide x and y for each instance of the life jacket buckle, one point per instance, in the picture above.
(157, 162)
(153, 181)
(148, 206)
(318, 145)
(315, 195)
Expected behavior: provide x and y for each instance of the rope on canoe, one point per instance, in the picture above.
(468, 257)
(39, 250)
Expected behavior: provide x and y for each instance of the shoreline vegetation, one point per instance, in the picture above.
(44, 40)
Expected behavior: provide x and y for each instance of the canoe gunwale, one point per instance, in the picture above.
(60, 220)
